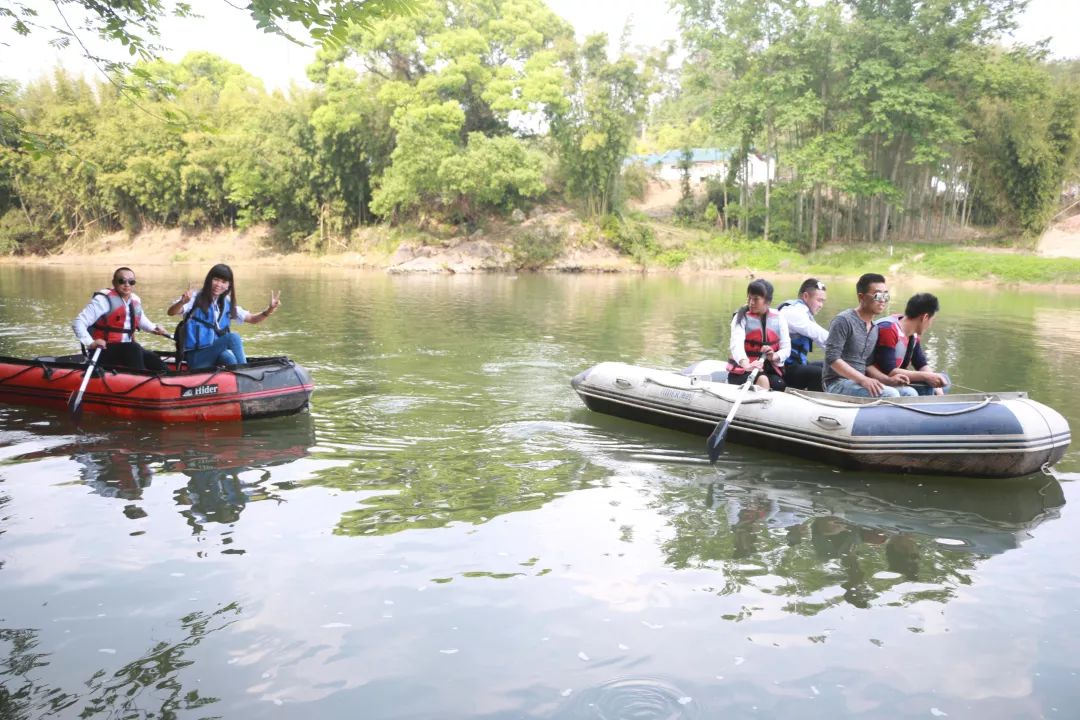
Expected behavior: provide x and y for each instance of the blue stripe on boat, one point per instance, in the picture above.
(991, 419)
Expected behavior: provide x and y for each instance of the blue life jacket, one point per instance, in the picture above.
(801, 346)
(200, 329)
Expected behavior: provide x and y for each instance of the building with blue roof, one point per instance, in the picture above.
(704, 163)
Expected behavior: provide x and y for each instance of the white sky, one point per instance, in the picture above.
(230, 33)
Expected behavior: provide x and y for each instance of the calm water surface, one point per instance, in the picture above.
(451, 534)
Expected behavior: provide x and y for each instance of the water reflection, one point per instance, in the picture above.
(850, 541)
(458, 537)
(146, 686)
(227, 464)
(523, 467)
(116, 473)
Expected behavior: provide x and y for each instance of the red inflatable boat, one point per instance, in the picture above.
(264, 387)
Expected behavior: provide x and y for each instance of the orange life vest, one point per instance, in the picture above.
(759, 334)
(119, 323)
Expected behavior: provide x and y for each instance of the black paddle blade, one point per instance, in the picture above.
(716, 442)
(716, 439)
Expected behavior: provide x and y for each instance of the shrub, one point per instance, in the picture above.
(535, 247)
(630, 237)
(711, 213)
(17, 236)
(635, 180)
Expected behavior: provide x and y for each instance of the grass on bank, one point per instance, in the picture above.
(940, 261)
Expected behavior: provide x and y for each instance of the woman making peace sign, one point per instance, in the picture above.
(209, 313)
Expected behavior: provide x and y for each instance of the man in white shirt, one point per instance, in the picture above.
(109, 322)
(799, 314)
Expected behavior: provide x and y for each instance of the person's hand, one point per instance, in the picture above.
(935, 380)
(871, 386)
(188, 294)
(898, 380)
(98, 343)
(758, 364)
(158, 330)
(275, 300)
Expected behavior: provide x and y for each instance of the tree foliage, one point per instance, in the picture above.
(886, 119)
(889, 119)
(455, 75)
(594, 122)
(135, 24)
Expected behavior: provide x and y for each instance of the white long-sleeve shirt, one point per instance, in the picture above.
(215, 312)
(738, 340)
(801, 322)
(98, 306)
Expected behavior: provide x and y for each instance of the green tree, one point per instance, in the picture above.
(353, 141)
(868, 106)
(58, 192)
(134, 24)
(450, 75)
(1027, 143)
(595, 122)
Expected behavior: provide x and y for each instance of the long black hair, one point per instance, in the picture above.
(206, 295)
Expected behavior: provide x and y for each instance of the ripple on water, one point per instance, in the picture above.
(630, 699)
(394, 404)
(562, 432)
(497, 368)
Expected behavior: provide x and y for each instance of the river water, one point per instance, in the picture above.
(449, 533)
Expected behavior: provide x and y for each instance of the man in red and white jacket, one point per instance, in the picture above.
(899, 350)
(109, 321)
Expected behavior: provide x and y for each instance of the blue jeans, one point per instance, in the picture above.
(843, 386)
(226, 350)
(924, 389)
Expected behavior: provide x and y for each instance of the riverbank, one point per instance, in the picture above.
(558, 242)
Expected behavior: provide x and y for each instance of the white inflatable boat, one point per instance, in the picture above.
(983, 435)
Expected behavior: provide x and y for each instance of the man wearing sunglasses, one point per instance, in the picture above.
(799, 372)
(109, 322)
(852, 339)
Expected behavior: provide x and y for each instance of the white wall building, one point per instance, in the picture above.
(704, 163)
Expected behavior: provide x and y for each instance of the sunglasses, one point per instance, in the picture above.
(123, 281)
(820, 285)
(880, 296)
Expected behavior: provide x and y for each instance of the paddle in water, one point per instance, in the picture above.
(716, 441)
(75, 401)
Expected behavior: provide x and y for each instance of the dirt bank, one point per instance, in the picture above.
(1062, 239)
(554, 240)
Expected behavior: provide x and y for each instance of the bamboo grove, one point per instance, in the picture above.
(887, 120)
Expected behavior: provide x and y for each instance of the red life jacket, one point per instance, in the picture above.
(119, 323)
(904, 344)
(759, 335)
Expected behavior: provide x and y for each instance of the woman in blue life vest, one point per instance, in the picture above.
(110, 322)
(759, 339)
(208, 317)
